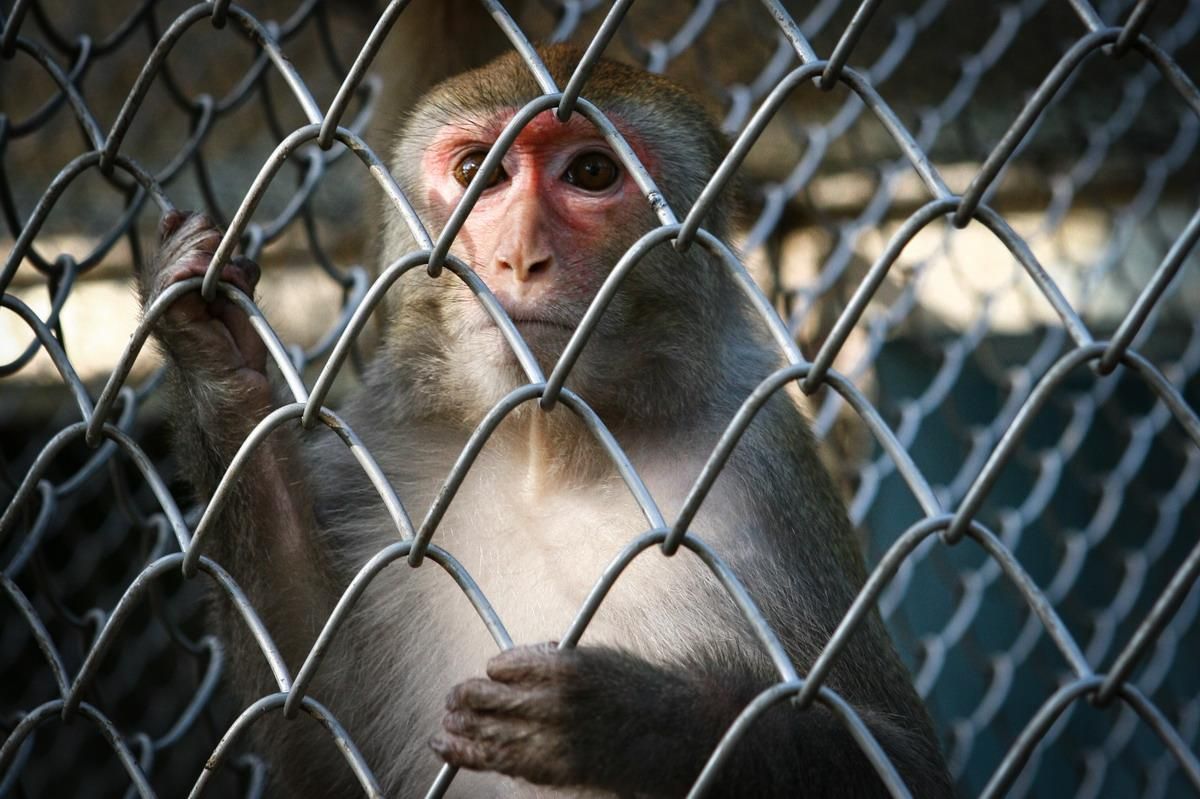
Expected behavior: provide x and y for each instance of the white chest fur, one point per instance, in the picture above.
(536, 548)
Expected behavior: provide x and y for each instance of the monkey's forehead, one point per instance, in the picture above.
(544, 130)
(650, 104)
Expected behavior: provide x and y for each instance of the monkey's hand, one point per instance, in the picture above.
(212, 341)
(588, 716)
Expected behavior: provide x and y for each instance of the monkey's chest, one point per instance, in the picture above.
(537, 557)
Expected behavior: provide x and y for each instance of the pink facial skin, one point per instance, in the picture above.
(540, 243)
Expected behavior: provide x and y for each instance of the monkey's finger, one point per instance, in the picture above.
(243, 272)
(543, 705)
(242, 335)
(529, 752)
(535, 663)
(486, 727)
(190, 255)
(463, 752)
(525, 752)
(483, 695)
(487, 696)
(195, 232)
(480, 755)
(169, 223)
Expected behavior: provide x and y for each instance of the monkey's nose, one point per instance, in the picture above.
(522, 267)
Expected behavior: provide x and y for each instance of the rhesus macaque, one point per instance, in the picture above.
(668, 661)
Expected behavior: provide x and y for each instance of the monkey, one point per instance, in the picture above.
(668, 661)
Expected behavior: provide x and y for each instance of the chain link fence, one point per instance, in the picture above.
(977, 223)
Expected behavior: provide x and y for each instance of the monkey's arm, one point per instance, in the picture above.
(605, 718)
(217, 391)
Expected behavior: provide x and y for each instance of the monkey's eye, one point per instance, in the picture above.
(470, 164)
(592, 172)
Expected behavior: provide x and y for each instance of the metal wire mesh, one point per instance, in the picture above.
(977, 224)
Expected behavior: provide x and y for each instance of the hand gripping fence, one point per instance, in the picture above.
(1057, 648)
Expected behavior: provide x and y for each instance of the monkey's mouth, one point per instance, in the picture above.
(528, 322)
(546, 338)
(537, 324)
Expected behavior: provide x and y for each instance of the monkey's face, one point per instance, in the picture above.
(544, 235)
(550, 226)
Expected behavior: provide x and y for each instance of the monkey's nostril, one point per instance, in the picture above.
(523, 269)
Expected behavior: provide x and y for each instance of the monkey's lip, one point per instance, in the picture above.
(527, 321)
(523, 322)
